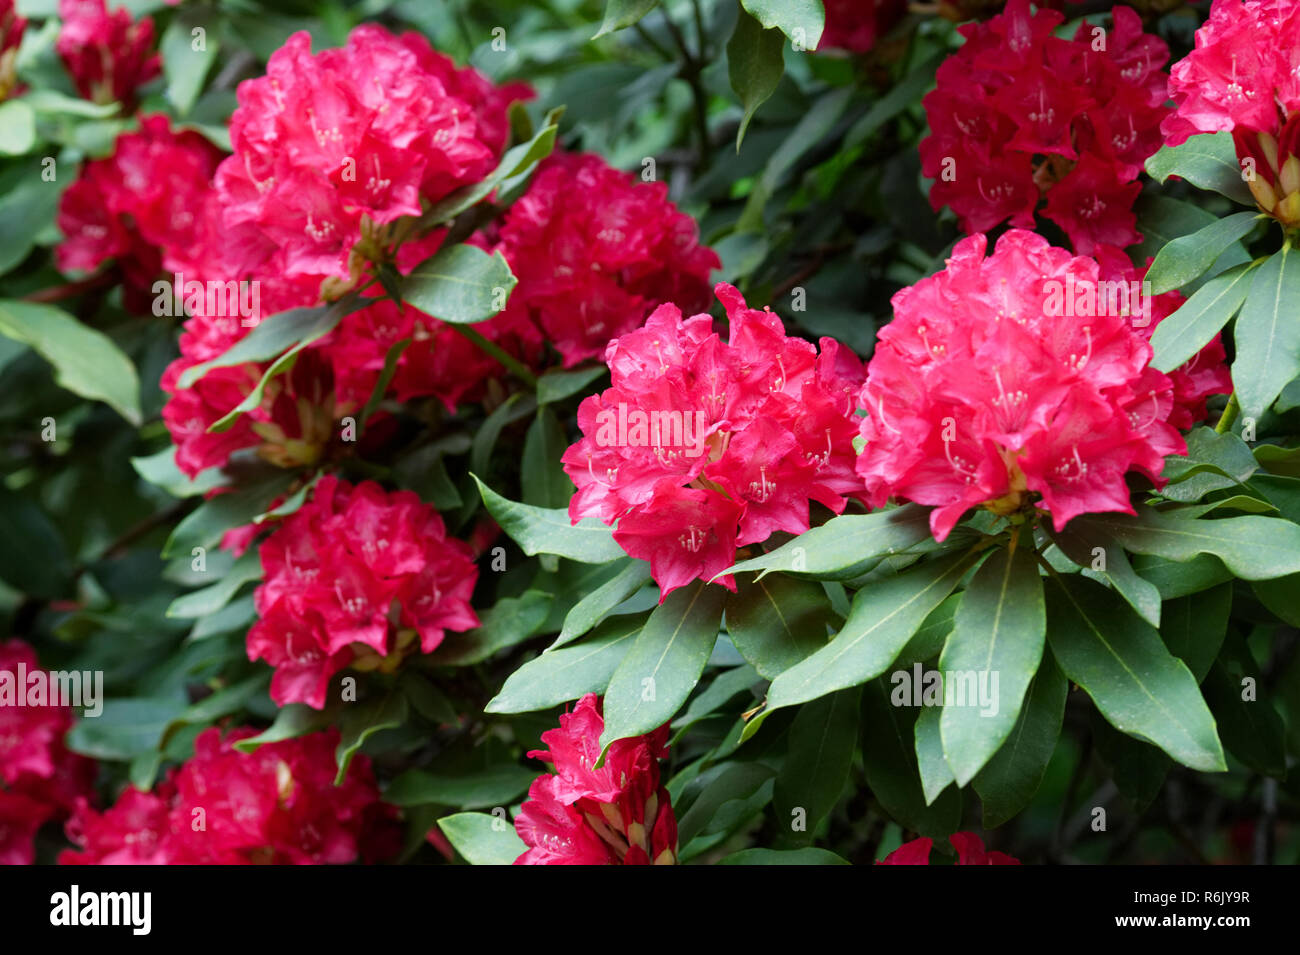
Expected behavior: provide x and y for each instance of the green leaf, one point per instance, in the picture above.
(1193, 326)
(1267, 334)
(558, 676)
(511, 621)
(518, 161)
(28, 204)
(1251, 546)
(1193, 627)
(292, 721)
(623, 13)
(1120, 661)
(205, 525)
(1009, 780)
(483, 839)
(998, 637)
(548, 531)
(927, 643)
(1081, 542)
(161, 471)
(777, 621)
(1175, 579)
(806, 856)
(1213, 462)
(885, 615)
(485, 789)
(592, 608)
(936, 774)
(800, 20)
(556, 385)
(385, 378)
(33, 559)
(185, 67)
(1208, 161)
(725, 686)
(889, 759)
(208, 600)
(460, 284)
(17, 127)
(1251, 728)
(822, 741)
(664, 664)
(1189, 256)
(86, 361)
(845, 547)
(755, 63)
(361, 721)
(292, 330)
(736, 781)
(125, 728)
(545, 484)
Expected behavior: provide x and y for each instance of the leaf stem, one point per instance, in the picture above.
(1229, 415)
(512, 364)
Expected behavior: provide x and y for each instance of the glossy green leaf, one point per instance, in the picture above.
(545, 483)
(936, 774)
(1207, 160)
(86, 361)
(485, 789)
(460, 284)
(664, 664)
(1267, 334)
(362, 720)
(998, 637)
(777, 621)
(1195, 323)
(1009, 780)
(822, 741)
(483, 839)
(592, 608)
(623, 13)
(756, 63)
(559, 676)
(885, 615)
(1189, 256)
(548, 531)
(1120, 661)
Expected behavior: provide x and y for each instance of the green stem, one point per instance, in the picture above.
(654, 44)
(1229, 415)
(512, 364)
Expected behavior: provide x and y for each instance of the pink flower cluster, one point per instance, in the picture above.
(970, 851)
(357, 574)
(136, 205)
(1244, 76)
(275, 806)
(108, 55)
(616, 815)
(856, 25)
(334, 154)
(40, 779)
(11, 37)
(702, 445)
(985, 392)
(594, 251)
(1019, 113)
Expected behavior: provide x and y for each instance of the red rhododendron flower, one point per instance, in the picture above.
(1244, 76)
(109, 55)
(1019, 112)
(356, 572)
(594, 250)
(855, 25)
(616, 815)
(1206, 373)
(334, 153)
(1008, 382)
(40, 779)
(701, 445)
(11, 37)
(276, 805)
(135, 204)
(970, 851)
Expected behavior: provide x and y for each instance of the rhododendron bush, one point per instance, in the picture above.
(649, 433)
